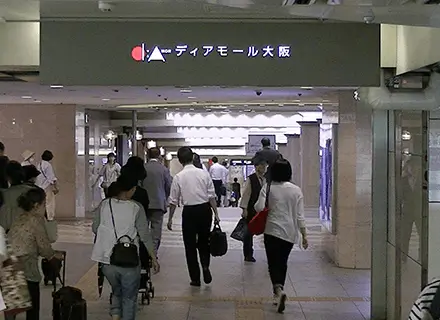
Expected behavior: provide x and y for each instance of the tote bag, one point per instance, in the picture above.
(258, 223)
(14, 286)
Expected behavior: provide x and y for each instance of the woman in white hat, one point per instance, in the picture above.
(28, 158)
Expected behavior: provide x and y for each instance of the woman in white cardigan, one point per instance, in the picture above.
(285, 225)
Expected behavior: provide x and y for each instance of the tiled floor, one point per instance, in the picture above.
(316, 288)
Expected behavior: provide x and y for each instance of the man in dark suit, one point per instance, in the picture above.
(158, 185)
(267, 154)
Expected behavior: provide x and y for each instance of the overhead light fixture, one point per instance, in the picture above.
(26, 97)
(37, 101)
(105, 99)
(191, 109)
(185, 91)
(192, 97)
(307, 88)
(56, 86)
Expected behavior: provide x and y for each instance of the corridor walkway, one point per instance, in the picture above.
(316, 288)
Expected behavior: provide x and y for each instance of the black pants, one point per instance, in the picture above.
(277, 252)
(196, 229)
(248, 245)
(218, 190)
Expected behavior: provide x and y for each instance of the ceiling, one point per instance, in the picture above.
(406, 12)
(142, 97)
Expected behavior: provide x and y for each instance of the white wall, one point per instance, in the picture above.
(388, 46)
(417, 47)
(19, 44)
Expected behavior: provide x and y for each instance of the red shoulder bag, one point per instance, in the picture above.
(258, 223)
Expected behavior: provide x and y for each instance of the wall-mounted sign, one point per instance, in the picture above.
(209, 54)
(254, 144)
(144, 53)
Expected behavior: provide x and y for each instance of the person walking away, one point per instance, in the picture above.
(118, 217)
(29, 241)
(252, 188)
(196, 188)
(109, 173)
(135, 167)
(236, 189)
(28, 158)
(158, 185)
(217, 172)
(285, 225)
(4, 184)
(10, 210)
(197, 162)
(267, 154)
(48, 182)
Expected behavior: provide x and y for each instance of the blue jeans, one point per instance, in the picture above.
(125, 285)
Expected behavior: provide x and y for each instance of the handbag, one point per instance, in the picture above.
(218, 242)
(124, 254)
(258, 223)
(14, 287)
(240, 230)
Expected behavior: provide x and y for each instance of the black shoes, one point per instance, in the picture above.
(195, 284)
(250, 259)
(207, 277)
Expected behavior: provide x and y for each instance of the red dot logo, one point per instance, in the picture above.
(138, 53)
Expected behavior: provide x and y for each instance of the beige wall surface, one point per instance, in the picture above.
(42, 127)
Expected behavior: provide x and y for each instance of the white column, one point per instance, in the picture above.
(310, 164)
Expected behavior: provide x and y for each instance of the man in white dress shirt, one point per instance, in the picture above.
(196, 189)
(218, 175)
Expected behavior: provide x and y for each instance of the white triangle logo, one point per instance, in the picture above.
(156, 55)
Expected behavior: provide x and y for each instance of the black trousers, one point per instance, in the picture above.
(196, 229)
(277, 252)
(248, 245)
(218, 190)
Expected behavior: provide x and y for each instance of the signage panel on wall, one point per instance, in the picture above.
(211, 54)
(254, 144)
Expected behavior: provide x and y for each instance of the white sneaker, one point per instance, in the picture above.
(282, 298)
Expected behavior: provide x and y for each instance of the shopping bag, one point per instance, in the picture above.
(218, 241)
(14, 286)
(52, 230)
(240, 230)
(258, 223)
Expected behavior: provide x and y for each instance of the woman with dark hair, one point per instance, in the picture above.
(197, 162)
(48, 182)
(118, 217)
(135, 167)
(29, 241)
(109, 173)
(9, 211)
(285, 225)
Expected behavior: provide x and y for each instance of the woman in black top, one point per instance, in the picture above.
(135, 166)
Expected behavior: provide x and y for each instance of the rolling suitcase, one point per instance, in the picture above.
(68, 303)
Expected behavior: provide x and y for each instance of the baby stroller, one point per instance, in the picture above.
(146, 288)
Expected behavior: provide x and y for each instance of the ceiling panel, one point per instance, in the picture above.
(110, 97)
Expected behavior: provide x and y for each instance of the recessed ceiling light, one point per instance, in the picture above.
(307, 88)
(186, 91)
(26, 97)
(325, 100)
(192, 98)
(191, 109)
(105, 99)
(56, 86)
(37, 101)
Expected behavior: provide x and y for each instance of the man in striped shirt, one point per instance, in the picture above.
(427, 305)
